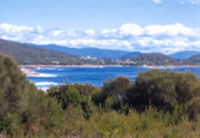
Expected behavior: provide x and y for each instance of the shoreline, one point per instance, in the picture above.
(170, 66)
(90, 66)
(27, 72)
(67, 66)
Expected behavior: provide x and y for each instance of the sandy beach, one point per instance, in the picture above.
(28, 72)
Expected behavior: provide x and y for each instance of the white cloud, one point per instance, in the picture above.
(151, 38)
(90, 32)
(57, 33)
(130, 29)
(171, 30)
(107, 33)
(16, 29)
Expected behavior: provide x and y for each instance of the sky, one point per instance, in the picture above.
(165, 26)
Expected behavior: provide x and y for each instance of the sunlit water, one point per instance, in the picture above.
(54, 76)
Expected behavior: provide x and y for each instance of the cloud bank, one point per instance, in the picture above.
(131, 37)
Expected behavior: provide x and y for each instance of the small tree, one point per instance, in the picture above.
(113, 93)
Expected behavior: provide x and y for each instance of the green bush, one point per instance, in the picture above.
(113, 93)
(148, 124)
(14, 88)
(24, 109)
(164, 90)
(71, 94)
(14, 93)
(76, 95)
(43, 114)
(193, 108)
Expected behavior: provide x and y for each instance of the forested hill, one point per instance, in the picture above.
(26, 54)
(151, 59)
(194, 60)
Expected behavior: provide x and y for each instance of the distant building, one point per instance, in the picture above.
(55, 62)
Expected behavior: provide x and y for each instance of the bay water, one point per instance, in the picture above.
(55, 76)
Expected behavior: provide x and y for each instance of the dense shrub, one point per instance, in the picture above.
(164, 90)
(14, 93)
(76, 95)
(24, 109)
(14, 88)
(148, 124)
(113, 93)
(193, 108)
(43, 114)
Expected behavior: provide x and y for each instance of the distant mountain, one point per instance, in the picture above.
(184, 54)
(26, 54)
(151, 59)
(92, 52)
(131, 54)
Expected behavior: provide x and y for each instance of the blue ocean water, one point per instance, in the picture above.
(54, 76)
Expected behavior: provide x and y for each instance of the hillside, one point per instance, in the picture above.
(26, 54)
(151, 59)
(92, 52)
(184, 54)
(194, 60)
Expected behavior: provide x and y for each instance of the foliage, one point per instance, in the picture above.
(193, 108)
(168, 103)
(24, 109)
(14, 87)
(113, 93)
(148, 124)
(164, 90)
(43, 114)
(76, 95)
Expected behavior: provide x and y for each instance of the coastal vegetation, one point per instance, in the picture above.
(157, 104)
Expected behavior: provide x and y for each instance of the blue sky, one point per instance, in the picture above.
(98, 14)
(83, 23)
